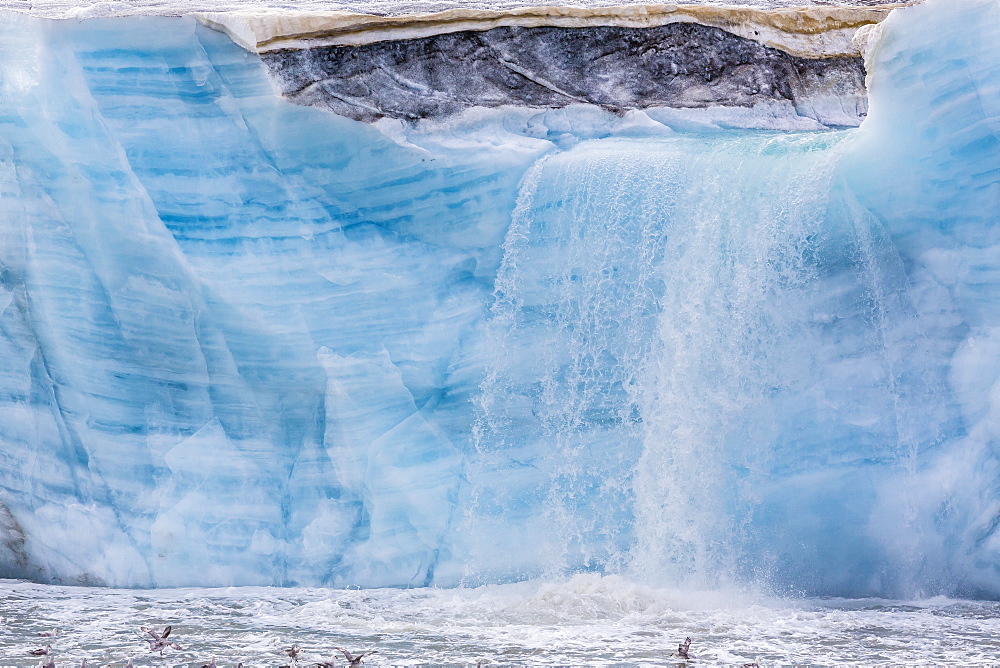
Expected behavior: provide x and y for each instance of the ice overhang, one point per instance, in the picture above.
(804, 32)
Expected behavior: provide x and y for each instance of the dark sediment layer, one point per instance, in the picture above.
(680, 65)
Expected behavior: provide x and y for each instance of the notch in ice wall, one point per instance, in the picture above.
(251, 342)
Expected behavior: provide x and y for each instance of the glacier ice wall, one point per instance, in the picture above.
(250, 342)
(926, 166)
(235, 326)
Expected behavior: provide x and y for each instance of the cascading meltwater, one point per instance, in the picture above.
(709, 373)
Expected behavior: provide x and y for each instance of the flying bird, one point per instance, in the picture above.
(159, 641)
(355, 661)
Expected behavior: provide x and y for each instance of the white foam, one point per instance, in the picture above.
(586, 620)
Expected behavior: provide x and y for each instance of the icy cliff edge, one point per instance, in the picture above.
(432, 65)
(806, 32)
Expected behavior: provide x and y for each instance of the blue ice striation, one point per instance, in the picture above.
(247, 342)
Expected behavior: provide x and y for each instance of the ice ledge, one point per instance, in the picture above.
(804, 32)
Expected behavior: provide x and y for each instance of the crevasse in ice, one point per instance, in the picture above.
(249, 342)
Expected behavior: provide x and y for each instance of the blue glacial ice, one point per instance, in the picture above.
(254, 343)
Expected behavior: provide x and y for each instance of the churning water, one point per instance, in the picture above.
(588, 620)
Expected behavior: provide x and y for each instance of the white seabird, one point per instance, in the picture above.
(159, 641)
(355, 660)
(682, 649)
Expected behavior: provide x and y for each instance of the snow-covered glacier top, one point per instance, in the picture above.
(100, 8)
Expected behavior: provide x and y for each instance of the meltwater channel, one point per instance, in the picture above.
(522, 386)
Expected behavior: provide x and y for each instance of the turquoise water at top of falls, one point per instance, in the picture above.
(254, 343)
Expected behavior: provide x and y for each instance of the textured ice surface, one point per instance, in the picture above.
(927, 165)
(98, 8)
(248, 342)
(211, 297)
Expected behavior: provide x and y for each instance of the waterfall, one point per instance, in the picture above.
(704, 354)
